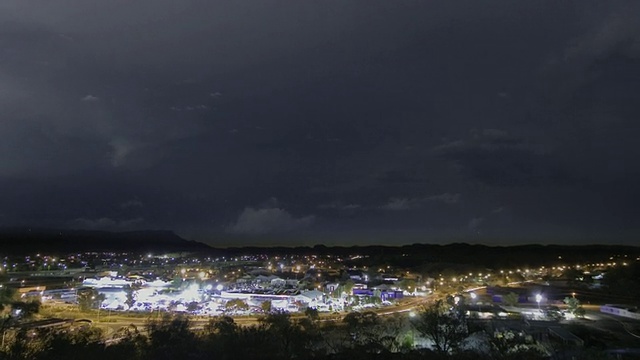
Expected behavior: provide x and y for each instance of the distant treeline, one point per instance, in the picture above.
(457, 253)
(26, 241)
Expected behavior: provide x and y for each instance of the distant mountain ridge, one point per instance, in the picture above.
(30, 240)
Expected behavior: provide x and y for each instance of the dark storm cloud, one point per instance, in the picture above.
(105, 224)
(132, 204)
(396, 204)
(615, 34)
(474, 223)
(339, 205)
(188, 114)
(90, 98)
(494, 157)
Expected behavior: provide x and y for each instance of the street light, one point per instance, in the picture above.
(94, 298)
(538, 299)
(412, 317)
(474, 296)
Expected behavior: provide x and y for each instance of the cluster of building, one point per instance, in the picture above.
(243, 285)
(253, 283)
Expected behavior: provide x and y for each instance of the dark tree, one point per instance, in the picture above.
(624, 281)
(369, 333)
(171, 338)
(289, 336)
(78, 344)
(510, 299)
(131, 296)
(266, 306)
(89, 299)
(312, 314)
(444, 327)
(7, 297)
(128, 343)
(509, 345)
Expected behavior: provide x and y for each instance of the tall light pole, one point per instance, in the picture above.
(412, 316)
(93, 298)
(538, 299)
(474, 297)
(77, 301)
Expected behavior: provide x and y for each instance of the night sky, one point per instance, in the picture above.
(336, 122)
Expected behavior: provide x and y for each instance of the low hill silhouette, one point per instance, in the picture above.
(29, 240)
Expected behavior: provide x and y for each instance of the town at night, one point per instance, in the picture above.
(323, 180)
(573, 300)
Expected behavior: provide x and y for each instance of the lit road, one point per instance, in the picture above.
(111, 324)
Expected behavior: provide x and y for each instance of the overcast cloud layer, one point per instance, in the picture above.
(263, 122)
